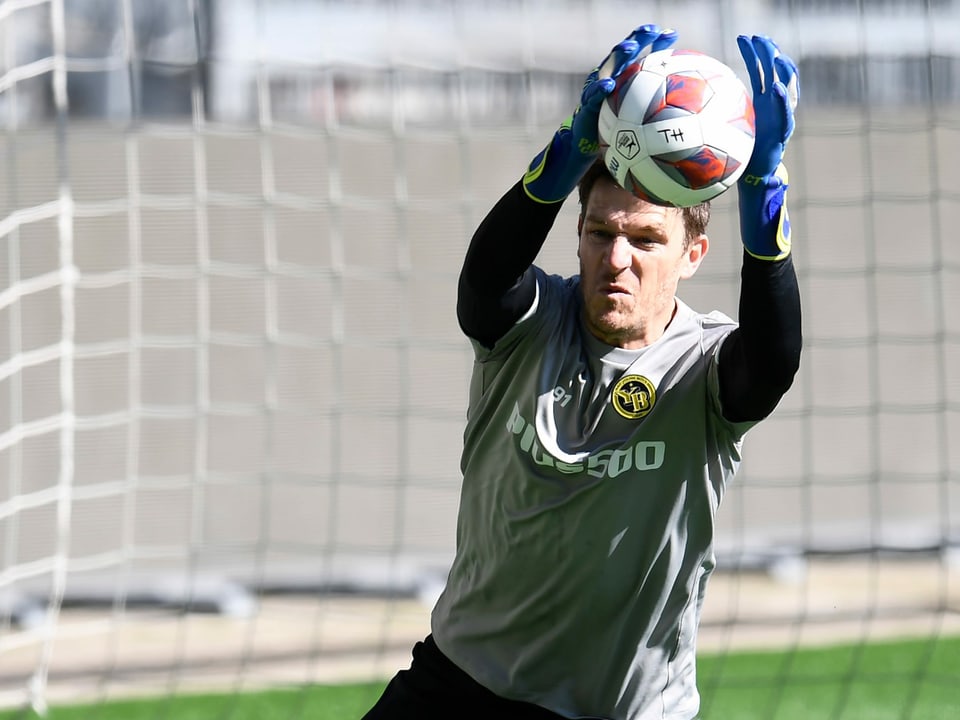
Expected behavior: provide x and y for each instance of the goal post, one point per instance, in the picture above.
(232, 386)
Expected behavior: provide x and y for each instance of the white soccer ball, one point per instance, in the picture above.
(678, 129)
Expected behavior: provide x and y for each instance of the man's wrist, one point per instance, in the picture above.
(556, 170)
(764, 220)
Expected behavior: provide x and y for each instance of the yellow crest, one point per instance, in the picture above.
(633, 396)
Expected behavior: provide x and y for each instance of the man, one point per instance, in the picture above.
(605, 421)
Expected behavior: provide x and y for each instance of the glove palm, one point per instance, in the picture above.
(556, 170)
(764, 222)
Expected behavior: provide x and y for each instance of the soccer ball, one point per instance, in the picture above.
(678, 128)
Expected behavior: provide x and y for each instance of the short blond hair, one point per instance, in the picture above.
(695, 218)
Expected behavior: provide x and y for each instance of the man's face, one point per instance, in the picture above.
(632, 257)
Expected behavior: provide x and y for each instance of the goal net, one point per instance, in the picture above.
(232, 386)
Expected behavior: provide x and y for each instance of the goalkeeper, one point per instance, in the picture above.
(605, 422)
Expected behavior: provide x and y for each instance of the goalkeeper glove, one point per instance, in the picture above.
(764, 222)
(556, 170)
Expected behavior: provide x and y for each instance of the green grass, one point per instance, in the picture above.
(907, 680)
(320, 702)
(915, 680)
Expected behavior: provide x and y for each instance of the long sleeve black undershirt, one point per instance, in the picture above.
(496, 287)
(757, 362)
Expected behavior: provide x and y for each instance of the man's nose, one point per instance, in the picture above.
(620, 253)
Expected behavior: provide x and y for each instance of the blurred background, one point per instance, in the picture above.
(232, 387)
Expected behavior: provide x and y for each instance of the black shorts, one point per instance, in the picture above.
(436, 689)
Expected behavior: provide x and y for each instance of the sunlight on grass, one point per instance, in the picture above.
(908, 680)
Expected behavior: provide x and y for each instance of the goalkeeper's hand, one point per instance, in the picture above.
(764, 223)
(556, 170)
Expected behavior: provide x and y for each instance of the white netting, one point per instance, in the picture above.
(231, 378)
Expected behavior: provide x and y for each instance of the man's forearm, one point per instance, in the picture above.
(760, 359)
(493, 292)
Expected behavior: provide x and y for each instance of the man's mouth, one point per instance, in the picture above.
(614, 289)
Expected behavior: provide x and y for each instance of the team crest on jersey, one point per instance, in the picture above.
(633, 396)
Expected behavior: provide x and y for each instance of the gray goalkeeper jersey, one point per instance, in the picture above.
(591, 477)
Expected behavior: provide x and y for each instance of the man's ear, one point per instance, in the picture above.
(694, 254)
(579, 232)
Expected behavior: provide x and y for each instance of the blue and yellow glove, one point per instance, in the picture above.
(764, 223)
(556, 170)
